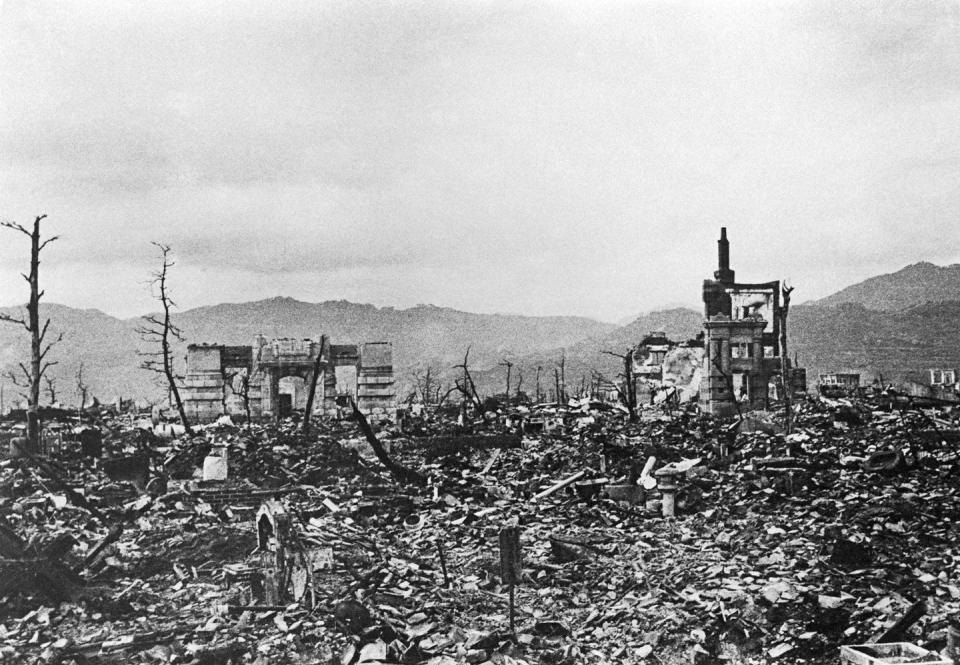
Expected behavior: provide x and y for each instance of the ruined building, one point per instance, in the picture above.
(667, 370)
(273, 378)
(742, 360)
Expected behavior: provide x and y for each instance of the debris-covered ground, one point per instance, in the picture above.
(782, 548)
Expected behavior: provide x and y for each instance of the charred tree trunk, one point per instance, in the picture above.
(786, 372)
(38, 351)
(509, 366)
(318, 365)
(81, 388)
(563, 377)
(628, 394)
(399, 473)
(160, 330)
(468, 388)
(631, 386)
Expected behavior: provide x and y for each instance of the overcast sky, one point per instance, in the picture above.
(537, 158)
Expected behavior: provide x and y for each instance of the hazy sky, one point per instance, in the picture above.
(540, 158)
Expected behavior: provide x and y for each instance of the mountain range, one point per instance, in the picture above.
(896, 325)
(916, 284)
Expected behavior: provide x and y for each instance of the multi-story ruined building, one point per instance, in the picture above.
(273, 377)
(838, 383)
(741, 339)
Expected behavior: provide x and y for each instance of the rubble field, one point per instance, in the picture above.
(781, 548)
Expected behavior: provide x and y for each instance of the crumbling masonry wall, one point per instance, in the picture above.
(216, 374)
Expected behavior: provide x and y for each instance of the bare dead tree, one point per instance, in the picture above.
(509, 365)
(519, 380)
(786, 372)
(81, 391)
(51, 389)
(596, 379)
(426, 386)
(161, 331)
(628, 394)
(19, 382)
(31, 322)
(82, 388)
(539, 369)
(556, 381)
(239, 382)
(318, 367)
(443, 398)
(563, 377)
(466, 385)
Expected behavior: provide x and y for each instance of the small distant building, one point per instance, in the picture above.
(837, 383)
(274, 376)
(650, 355)
(943, 377)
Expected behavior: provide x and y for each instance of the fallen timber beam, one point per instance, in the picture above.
(896, 632)
(556, 487)
(400, 473)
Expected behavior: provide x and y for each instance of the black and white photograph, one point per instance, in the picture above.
(479, 332)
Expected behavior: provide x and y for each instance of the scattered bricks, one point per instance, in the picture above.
(450, 445)
(783, 474)
(220, 494)
(116, 494)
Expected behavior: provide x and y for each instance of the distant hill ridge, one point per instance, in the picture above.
(900, 325)
(913, 285)
(423, 334)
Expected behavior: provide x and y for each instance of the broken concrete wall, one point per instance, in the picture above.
(280, 372)
(376, 393)
(683, 369)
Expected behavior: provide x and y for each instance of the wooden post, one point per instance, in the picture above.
(318, 368)
(443, 565)
(786, 374)
(510, 565)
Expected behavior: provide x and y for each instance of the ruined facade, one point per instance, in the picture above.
(665, 370)
(943, 377)
(272, 377)
(741, 340)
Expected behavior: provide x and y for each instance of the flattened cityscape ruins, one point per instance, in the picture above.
(301, 501)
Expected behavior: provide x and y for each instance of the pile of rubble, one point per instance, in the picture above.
(674, 539)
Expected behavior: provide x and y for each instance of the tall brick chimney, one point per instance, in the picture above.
(724, 274)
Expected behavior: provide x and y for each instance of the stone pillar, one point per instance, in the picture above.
(270, 389)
